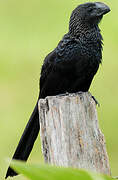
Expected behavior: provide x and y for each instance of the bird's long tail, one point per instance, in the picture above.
(27, 140)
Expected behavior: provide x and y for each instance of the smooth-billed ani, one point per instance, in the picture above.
(70, 67)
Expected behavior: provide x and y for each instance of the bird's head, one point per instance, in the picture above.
(87, 15)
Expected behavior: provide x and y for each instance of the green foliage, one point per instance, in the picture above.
(46, 172)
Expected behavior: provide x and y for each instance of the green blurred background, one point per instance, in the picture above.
(29, 29)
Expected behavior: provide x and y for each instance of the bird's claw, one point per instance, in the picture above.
(64, 94)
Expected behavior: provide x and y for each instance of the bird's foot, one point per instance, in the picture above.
(71, 94)
(79, 92)
(64, 94)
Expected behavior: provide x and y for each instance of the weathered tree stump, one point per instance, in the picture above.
(70, 133)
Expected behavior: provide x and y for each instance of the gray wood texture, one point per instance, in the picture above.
(70, 133)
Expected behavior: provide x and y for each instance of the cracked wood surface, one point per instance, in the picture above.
(70, 133)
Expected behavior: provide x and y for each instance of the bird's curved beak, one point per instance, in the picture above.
(102, 8)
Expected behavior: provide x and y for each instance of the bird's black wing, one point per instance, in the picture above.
(66, 69)
(54, 80)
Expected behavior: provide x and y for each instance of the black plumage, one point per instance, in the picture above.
(70, 67)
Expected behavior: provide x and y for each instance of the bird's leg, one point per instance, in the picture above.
(96, 102)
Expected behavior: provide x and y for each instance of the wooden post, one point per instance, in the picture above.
(70, 133)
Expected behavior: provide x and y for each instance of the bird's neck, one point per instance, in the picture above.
(86, 33)
(90, 40)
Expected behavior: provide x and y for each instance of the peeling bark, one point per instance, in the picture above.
(70, 133)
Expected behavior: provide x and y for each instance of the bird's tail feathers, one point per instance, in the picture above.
(27, 140)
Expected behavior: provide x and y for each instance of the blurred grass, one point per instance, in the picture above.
(28, 31)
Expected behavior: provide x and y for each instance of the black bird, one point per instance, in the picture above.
(70, 67)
